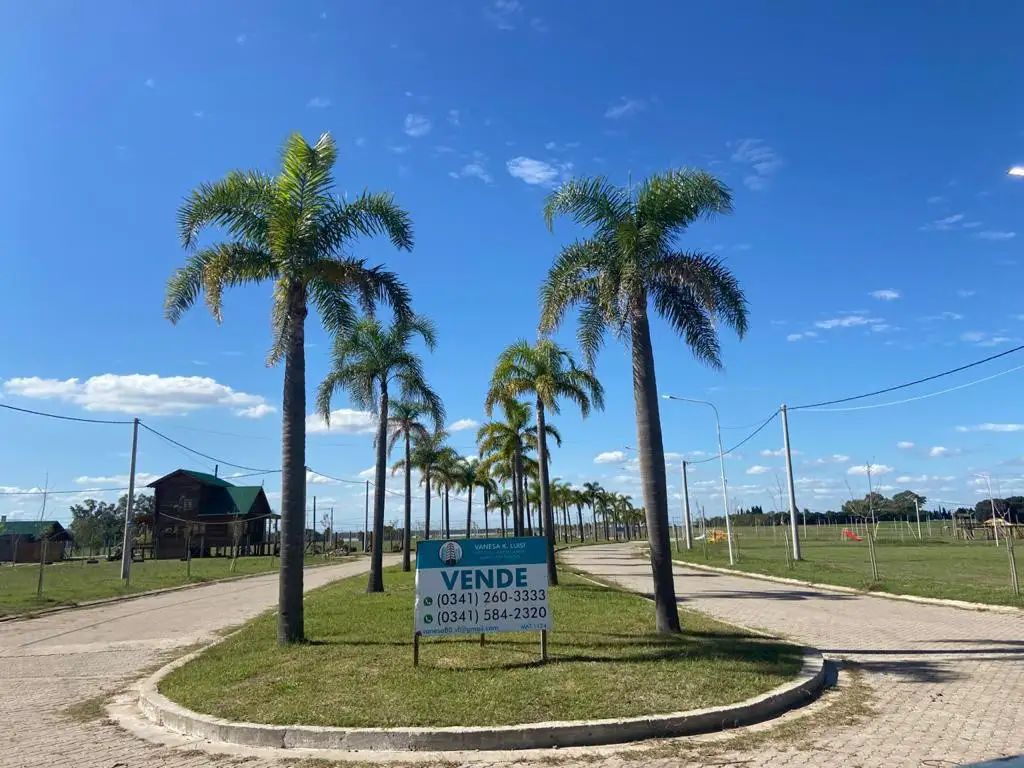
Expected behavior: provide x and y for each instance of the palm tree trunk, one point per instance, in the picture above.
(290, 624)
(514, 479)
(545, 493)
(651, 450)
(469, 511)
(447, 513)
(376, 580)
(487, 524)
(579, 516)
(529, 512)
(407, 536)
(521, 480)
(426, 506)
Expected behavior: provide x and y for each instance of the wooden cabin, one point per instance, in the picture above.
(199, 511)
(21, 541)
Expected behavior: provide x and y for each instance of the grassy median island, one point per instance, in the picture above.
(71, 582)
(357, 668)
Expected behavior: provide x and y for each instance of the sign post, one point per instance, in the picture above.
(481, 586)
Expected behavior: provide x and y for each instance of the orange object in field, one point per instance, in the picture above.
(851, 535)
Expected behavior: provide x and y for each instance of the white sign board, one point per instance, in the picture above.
(482, 586)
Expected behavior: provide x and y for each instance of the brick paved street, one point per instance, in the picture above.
(946, 684)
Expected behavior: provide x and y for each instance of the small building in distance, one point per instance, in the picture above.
(21, 541)
(209, 515)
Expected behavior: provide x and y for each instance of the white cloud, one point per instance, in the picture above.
(534, 171)
(835, 458)
(462, 424)
(417, 125)
(140, 394)
(624, 108)
(368, 474)
(996, 235)
(984, 339)
(846, 321)
(951, 222)
(779, 452)
(343, 420)
(862, 469)
(757, 469)
(804, 335)
(150, 83)
(399, 149)
(965, 294)
(935, 199)
(762, 160)
(990, 427)
(318, 102)
(905, 445)
(504, 14)
(317, 479)
(257, 411)
(942, 316)
(938, 451)
(610, 457)
(453, 117)
(475, 169)
(142, 479)
(241, 39)
(886, 294)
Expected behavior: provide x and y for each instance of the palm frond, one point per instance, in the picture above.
(683, 311)
(713, 285)
(240, 203)
(370, 214)
(590, 201)
(670, 202)
(571, 280)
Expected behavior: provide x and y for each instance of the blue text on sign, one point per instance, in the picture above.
(485, 578)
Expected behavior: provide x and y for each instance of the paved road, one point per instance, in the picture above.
(50, 663)
(948, 684)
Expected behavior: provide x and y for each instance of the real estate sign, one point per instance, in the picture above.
(482, 586)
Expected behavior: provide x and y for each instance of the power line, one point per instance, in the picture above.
(909, 383)
(742, 442)
(62, 418)
(919, 397)
(207, 456)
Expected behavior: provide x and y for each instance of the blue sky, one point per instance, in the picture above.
(875, 232)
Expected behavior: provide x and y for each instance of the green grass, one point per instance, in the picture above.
(68, 583)
(357, 668)
(975, 571)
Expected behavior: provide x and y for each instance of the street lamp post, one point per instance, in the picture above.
(721, 458)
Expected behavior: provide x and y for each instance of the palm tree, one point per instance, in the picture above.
(579, 499)
(592, 492)
(466, 479)
(489, 487)
(404, 423)
(502, 501)
(548, 372)
(365, 362)
(507, 442)
(631, 261)
(291, 230)
(447, 472)
(427, 451)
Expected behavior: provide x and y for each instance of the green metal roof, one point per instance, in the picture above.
(32, 528)
(205, 477)
(233, 500)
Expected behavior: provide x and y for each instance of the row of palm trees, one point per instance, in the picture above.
(292, 230)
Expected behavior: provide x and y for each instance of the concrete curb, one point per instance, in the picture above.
(28, 615)
(162, 711)
(961, 604)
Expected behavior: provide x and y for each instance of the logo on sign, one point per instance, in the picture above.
(450, 553)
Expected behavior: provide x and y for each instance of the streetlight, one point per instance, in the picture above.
(721, 458)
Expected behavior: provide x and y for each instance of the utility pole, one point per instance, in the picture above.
(126, 548)
(334, 536)
(313, 548)
(688, 531)
(42, 541)
(789, 481)
(366, 519)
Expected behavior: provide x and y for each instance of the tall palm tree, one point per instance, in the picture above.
(548, 373)
(404, 424)
(502, 501)
(631, 261)
(591, 492)
(426, 453)
(579, 499)
(507, 442)
(293, 231)
(447, 471)
(488, 486)
(467, 480)
(366, 362)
